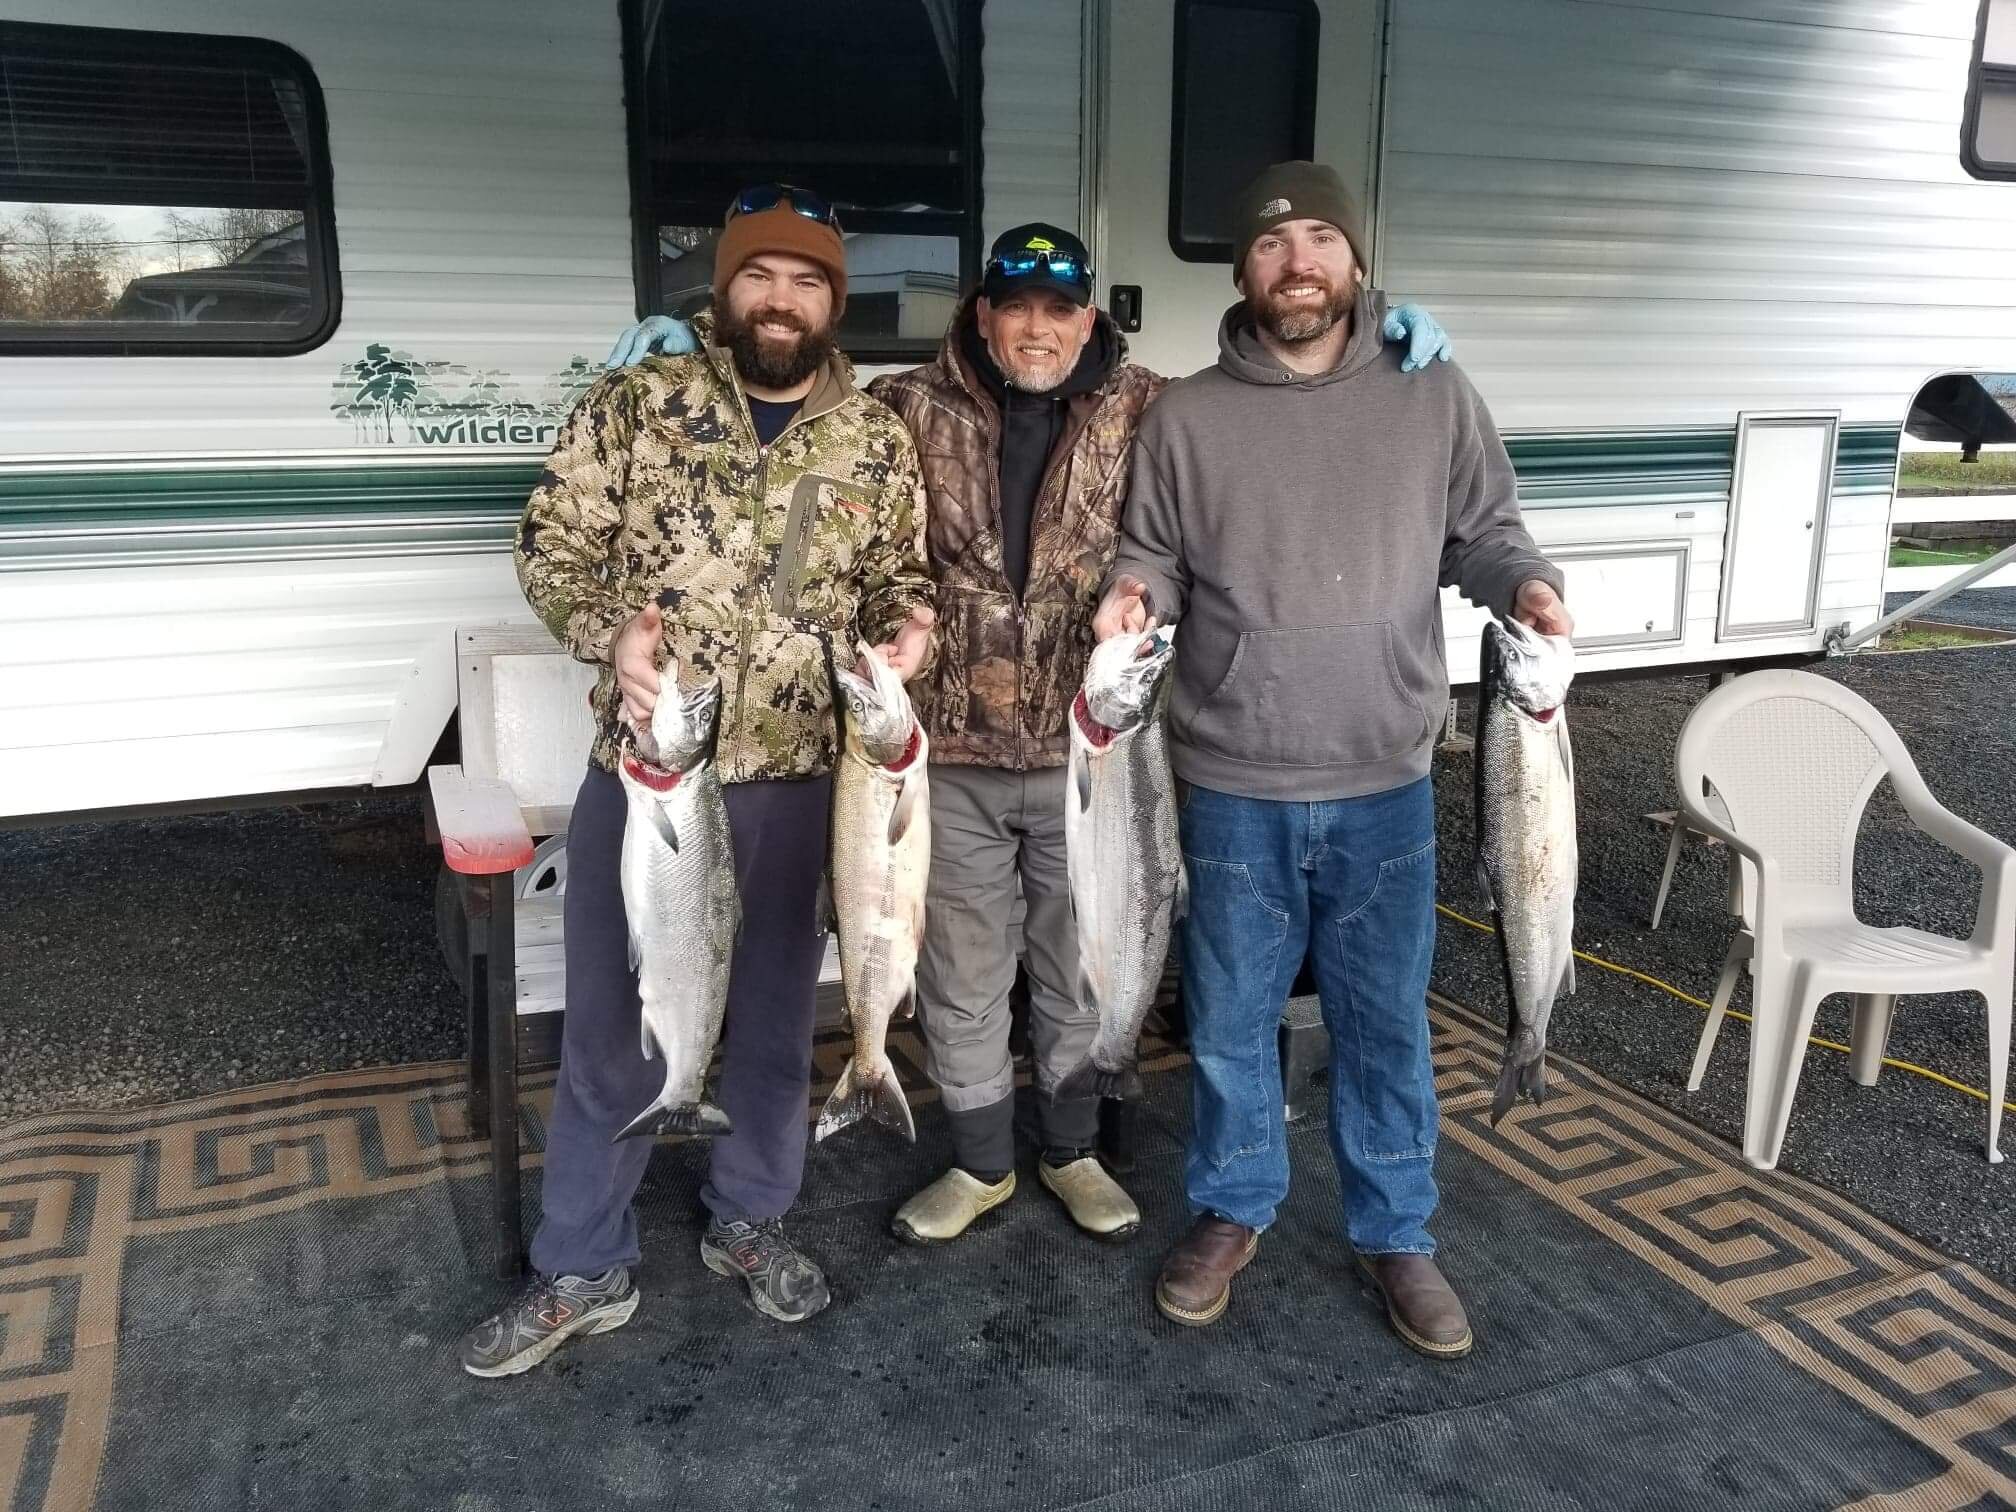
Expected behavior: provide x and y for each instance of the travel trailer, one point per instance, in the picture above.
(293, 298)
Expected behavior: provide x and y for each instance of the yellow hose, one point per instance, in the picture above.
(1688, 997)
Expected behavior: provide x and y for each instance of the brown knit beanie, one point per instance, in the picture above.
(1293, 191)
(780, 229)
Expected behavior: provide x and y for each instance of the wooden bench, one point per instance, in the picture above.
(501, 819)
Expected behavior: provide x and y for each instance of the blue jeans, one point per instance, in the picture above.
(1351, 882)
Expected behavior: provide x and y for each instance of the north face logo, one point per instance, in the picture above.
(1273, 208)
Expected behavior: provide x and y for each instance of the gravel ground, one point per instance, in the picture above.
(154, 959)
(1993, 607)
(163, 958)
(1907, 1149)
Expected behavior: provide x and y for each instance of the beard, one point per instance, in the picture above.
(1297, 321)
(1037, 376)
(766, 361)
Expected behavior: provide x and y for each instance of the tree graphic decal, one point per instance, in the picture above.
(385, 392)
(565, 388)
(371, 391)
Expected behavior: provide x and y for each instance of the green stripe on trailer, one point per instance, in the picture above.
(208, 504)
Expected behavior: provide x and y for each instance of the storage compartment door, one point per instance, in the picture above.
(1777, 524)
(1632, 595)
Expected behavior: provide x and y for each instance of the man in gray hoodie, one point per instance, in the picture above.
(1299, 507)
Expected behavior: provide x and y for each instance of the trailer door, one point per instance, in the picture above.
(1198, 96)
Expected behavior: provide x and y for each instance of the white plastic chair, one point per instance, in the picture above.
(1794, 759)
(1679, 837)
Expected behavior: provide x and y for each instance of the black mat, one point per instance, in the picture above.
(265, 1292)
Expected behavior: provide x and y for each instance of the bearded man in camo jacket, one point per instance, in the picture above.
(743, 512)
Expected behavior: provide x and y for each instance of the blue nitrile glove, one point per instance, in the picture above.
(1426, 340)
(660, 333)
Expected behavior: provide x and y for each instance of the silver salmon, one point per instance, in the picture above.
(881, 863)
(1525, 827)
(679, 897)
(1123, 858)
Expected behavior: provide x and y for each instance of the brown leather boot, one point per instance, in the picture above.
(1420, 1304)
(1196, 1282)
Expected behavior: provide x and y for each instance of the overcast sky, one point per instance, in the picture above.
(138, 224)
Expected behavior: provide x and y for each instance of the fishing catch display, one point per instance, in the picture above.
(881, 864)
(680, 902)
(1525, 828)
(1124, 860)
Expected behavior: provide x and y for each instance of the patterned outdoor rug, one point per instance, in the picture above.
(252, 1299)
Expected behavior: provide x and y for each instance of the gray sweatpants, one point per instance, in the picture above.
(988, 825)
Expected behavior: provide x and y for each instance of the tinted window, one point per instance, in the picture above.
(873, 104)
(1245, 96)
(161, 193)
(1988, 138)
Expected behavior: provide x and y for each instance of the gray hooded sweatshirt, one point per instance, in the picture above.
(1301, 527)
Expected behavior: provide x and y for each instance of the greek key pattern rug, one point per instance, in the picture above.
(119, 1229)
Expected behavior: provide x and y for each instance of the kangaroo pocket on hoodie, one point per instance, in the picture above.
(1321, 696)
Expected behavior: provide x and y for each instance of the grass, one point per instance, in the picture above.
(1963, 553)
(1927, 640)
(1944, 472)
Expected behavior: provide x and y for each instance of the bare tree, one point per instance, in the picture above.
(62, 265)
(10, 292)
(207, 238)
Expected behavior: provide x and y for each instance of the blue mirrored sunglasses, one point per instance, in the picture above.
(769, 196)
(1061, 265)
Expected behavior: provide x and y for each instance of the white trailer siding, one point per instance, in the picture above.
(260, 596)
(482, 208)
(1657, 215)
(1639, 215)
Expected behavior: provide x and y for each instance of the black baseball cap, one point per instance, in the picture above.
(1038, 256)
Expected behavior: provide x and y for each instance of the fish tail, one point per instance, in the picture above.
(1089, 1079)
(1533, 1080)
(1516, 1080)
(874, 1095)
(698, 1118)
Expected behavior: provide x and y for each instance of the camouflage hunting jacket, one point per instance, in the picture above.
(763, 559)
(1007, 668)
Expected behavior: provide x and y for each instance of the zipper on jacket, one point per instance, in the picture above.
(747, 627)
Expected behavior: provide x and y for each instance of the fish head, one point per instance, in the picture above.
(879, 716)
(681, 735)
(1124, 674)
(1534, 670)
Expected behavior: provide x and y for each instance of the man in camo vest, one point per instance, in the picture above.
(740, 511)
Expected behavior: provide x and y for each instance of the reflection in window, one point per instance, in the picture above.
(76, 264)
(159, 190)
(784, 91)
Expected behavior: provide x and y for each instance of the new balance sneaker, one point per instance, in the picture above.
(548, 1311)
(785, 1283)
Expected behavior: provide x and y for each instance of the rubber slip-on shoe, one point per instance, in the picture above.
(1094, 1199)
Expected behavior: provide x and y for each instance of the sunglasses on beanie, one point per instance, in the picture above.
(804, 202)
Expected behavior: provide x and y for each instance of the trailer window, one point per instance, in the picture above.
(1244, 97)
(1988, 136)
(874, 104)
(161, 194)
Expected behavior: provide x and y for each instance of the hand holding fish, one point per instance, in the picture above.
(905, 654)
(1124, 610)
(634, 654)
(1537, 604)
